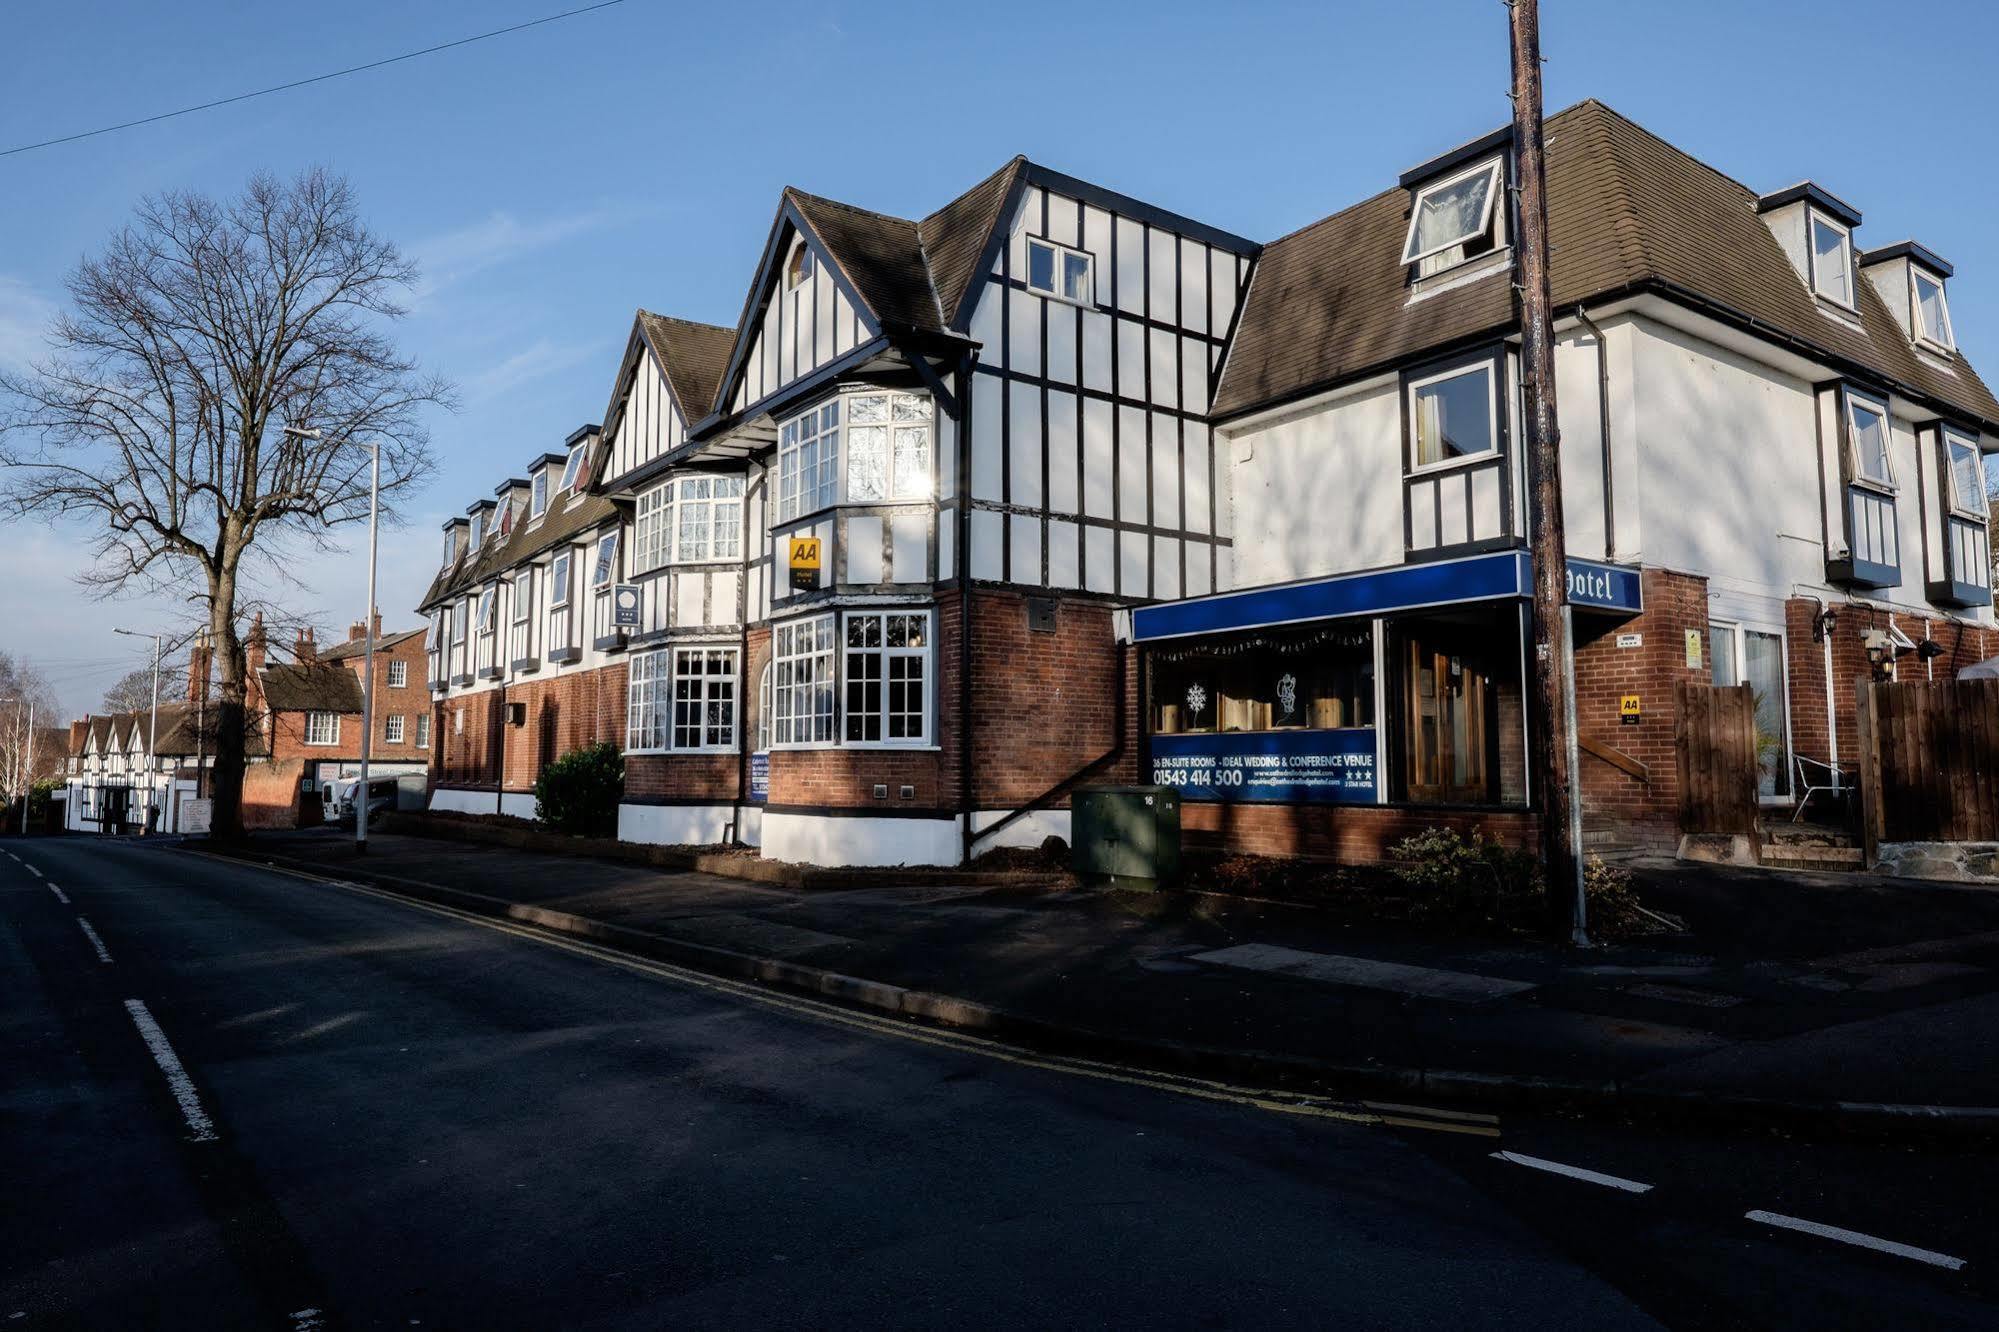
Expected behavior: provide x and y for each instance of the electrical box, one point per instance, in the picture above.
(1128, 836)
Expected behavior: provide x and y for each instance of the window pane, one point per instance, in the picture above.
(911, 408)
(1721, 647)
(1076, 277)
(1450, 215)
(1454, 417)
(871, 409)
(1931, 321)
(912, 462)
(1829, 261)
(1870, 444)
(1040, 267)
(1967, 472)
(867, 461)
(1763, 669)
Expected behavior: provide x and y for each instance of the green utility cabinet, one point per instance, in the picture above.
(1128, 835)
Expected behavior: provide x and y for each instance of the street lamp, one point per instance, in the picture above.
(368, 653)
(152, 728)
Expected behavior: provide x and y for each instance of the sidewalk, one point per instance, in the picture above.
(1809, 997)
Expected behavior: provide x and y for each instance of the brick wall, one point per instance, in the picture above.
(1044, 703)
(466, 738)
(271, 793)
(564, 713)
(714, 778)
(1644, 811)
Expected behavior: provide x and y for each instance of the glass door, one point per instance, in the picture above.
(1445, 706)
(1756, 658)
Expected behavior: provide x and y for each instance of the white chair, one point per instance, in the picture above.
(1830, 779)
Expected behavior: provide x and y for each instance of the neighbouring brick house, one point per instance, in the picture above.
(1055, 486)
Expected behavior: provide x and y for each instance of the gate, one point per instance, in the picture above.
(1714, 735)
(1929, 761)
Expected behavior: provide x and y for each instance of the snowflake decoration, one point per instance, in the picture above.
(1197, 698)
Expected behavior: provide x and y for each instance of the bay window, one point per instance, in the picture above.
(704, 698)
(708, 518)
(1967, 474)
(887, 452)
(887, 674)
(652, 543)
(802, 689)
(646, 704)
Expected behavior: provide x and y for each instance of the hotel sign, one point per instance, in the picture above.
(1330, 767)
(1598, 586)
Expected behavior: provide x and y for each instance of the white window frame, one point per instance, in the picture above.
(790, 728)
(399, 675)
(489, 605)
(1738, 631)
(392, 729)
(423, 730)
(794, 498)
(652, 539)
(523, 597)
(649, 703)
(925, 654)
(1918, 276)
(570, 466)
(709, 691)
(1859, 475)
(799, 264)
(711, 506)
(328, 725)
(538, 492)
(461, 622)
(1813, 220)
(450, 547)
(1059, 254)
(1975, 507)
(1490, 168)
(1490, 369)
(478, 536)
(604, 561)
(763, 711)
(558, 580)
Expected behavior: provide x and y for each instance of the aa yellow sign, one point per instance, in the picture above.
(1628, 710)
(805, 557)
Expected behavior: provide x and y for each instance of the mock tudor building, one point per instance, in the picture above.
(1053, 486)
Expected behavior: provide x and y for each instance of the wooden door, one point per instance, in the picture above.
(1445, 740)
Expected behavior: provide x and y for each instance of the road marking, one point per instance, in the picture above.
(1285, 1103)
(61, 896)
(32, 870)
(103, 953)
(1930, 1256)
(1574, 1172)
(200, 1127)
(1466, 1116)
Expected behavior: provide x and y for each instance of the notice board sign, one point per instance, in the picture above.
(806, 555)
(1329, 767)
(760, 778)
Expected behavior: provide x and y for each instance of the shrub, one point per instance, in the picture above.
(579, 792)
(1613, 908)
(1465, 880)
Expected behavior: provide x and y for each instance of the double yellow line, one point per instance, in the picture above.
(1380, 1113)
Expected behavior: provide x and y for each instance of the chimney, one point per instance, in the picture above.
(359, 629)
(305, 650)
(198, 658)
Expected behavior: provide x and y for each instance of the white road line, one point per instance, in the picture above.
(1573, 1172)
(61, 896)
(1930, 1256)
(32, 870)
(103, 953)
(200, 1127)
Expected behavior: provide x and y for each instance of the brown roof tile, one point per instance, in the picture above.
(1625, 210)
(881, 255)
(954, 237)
(315, 688)
(693, 356)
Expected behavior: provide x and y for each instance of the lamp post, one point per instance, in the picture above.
(152, 726)
(368, 619)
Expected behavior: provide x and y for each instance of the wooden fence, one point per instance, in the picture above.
(1714, 732)
(1929, 761)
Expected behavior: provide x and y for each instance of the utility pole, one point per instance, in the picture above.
(1554, 760)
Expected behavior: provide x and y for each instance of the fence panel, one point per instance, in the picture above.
(1930, 761)
(1715, 737)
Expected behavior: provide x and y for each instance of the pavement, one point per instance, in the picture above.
(1803, 999)
(237, 1097)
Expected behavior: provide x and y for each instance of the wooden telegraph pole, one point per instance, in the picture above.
(1554, 759)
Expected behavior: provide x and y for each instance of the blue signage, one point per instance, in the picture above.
(1598, 586)
(1333, 767)
(760, 778)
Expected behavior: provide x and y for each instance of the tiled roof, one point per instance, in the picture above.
(1626, 211)
(693, 356)
(881, 255)
(185, 728)
(318, 687)
(954, 237)
(358, 647)
(564, 521)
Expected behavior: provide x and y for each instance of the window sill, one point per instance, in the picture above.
(1452, 464)
(1059, 298)
(1885, 489)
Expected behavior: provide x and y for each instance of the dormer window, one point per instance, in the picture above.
(540, 494)
(478, 529)
(1055, 270)
(450, 547)
(1867, 441)
(1967, 474)
(571, 468)
(798, 268)
(1932, 313)
(1832, 260)
(1455, 219)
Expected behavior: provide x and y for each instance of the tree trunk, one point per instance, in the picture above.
(226, 789)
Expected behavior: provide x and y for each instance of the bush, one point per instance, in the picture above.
(1466, 880)
(579, 792)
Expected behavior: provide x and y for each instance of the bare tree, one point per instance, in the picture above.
(202, 329)
(26, 752)
(134, 690)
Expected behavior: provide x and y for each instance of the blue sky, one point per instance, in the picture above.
(554, 180)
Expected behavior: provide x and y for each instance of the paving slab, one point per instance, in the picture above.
(1366, 973)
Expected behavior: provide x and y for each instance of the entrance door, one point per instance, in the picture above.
(1445, 741)
(116, 808)
(1756, 658)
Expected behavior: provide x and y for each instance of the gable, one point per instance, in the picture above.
(646, 423)
(796, 330)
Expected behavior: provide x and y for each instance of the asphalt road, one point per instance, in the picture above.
(230, 1097)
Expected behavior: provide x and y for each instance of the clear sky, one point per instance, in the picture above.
(554, 180)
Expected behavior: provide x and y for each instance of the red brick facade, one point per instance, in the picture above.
(473, 737)
(409, 701)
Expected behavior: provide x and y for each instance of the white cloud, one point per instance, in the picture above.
(24, 319)
(540, 358)
(501, 238)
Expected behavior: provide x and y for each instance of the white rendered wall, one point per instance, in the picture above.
(445, 801)
(1027, 830)
(675, 825)
(834, 842)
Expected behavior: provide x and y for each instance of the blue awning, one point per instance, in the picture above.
(1499, 576)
